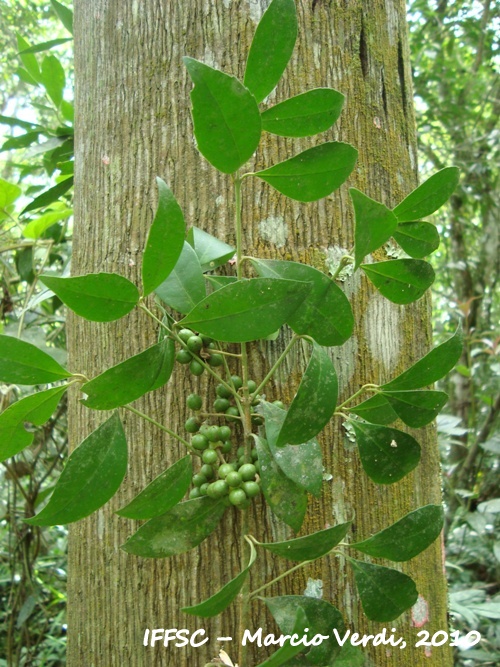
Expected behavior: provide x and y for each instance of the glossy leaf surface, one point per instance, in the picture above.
(24, 363)
(429, 196)
(375, 224)
(210, 250)
(185, 286)
(401, 281)
(304, 115)
(91, 476)
(49, 196)
(376, 410)
(309, 547)
(418, 239)
(416, 408)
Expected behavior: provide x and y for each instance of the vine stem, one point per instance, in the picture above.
(32, 288)
(278, 578)
(344, 261)
(276, 365)
(365, 387)
(160, 426)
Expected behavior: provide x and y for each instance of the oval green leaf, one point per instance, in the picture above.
(165, 240)
(418, 239)
(131, 379)
(285, 498)
(210, 250)
(313, 174)
(162, 493)
(64, 13)
(222, 599)
(23, 363)
(309, 547)
(184, 287)
(304, 115)
(416, 408)
(226, 117)
(99, 297)
(387, 455)
(247, 310)
(314, 403)
(429, 196)
(375, 224)
(435, 365)
(35, 409)
(91, 476)
(271, 48)
(385, 593)
(9, 192)
(53, 79)
(35, 228)
(376, 410)
(402, 281)
(49, 196)
(326, 314)
(406, 538)
(285, 654)
(185, 526)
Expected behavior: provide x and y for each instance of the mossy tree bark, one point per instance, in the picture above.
(133, 123)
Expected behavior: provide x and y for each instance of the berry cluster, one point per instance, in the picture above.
(197, 348)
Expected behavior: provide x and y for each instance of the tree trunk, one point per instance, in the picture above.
(133, 123)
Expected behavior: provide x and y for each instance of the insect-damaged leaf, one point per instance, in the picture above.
(271, 48)
(401, 281)
(223, 598)
(385, 593)
(99, 297)
(429, 196)
(179, 530)
(407, 537)
(309, 547)
(247, 309)
(162, 493)
(326, 314)
(416, 408)
(24, 363)
(165, 240)
(184, 287)
(286, 499)
(387, 455)
(375, 224)
(313, 174)
(91, 476)
(304, 115)
(314, 403)
(418, 239)
(226, 117)
(211, 251)
(131, 379)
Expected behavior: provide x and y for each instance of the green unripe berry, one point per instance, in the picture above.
(207, 341)
(212, 433)
(237, 497)
(279, 404)
(217, 489)
(184, 357)
(185, 334)
(209, 456)
(224, 432)
(252, 386)
(194, 402)
(204, 488)
(221, 404)
(196, 368)
(237, 382)
(232, 414)
(241, 461)
(222, 391)
(194, 493)
(204, 428)
(199, 441)
(240, 451)
(226, 447)
(199, 479)
(192, 425)
(257, 465)
(255, 455)
(257, 420)
(215, 360)
(256, 401)
(245, 505)
(252, 489)
(225, 469)
(207, 470)
(247, 472)
(194, 344)
(234, 478)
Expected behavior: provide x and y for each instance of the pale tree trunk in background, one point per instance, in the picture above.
(133, 123)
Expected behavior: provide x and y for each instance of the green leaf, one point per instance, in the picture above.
(435, 365)
(91, 476)
(35, 228)
(326, 314)
(287, 650)
(35, 409)
(350, 656)
(314, 403)
(179, 530)
(285, 498)
(303, 463)
(429, 196)
(309, 547)
(64, 13)
(128, 381)
(23, 363)
(45, 46)
(184, 287)
(375, 224)
(162, 493)
(406, 538)
(165, 240)
(17, 122)
(385, 593)
(271, 48)
(387, 455)
(9, 192)
(401, 281)
(49, 196)
(28, 60)
(418, 239)
(222, 599)
(210, 250)
(99, 297)
(226, 117)
(220, 281)
(322, 618)
(416, 408)
(313, 174)
(304, 115)
(376, 410)
(53, 79)
(247, 310)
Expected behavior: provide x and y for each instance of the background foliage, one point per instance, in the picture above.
(456, 62)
